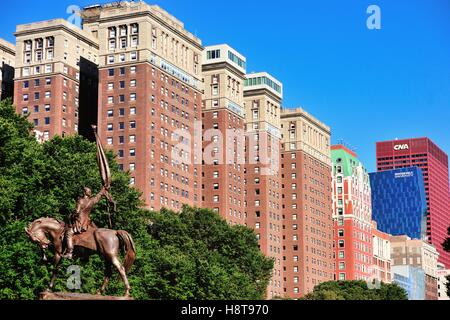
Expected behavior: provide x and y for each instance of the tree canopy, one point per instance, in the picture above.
(356, 290)
(189, 255)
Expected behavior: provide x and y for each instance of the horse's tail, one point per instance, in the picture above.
(129, 248)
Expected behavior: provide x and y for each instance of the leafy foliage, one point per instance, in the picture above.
(355, 290)
(190, 255)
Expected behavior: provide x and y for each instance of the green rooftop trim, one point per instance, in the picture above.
(347, 161)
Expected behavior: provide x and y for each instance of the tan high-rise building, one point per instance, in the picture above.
(262, 98)
(56, 77)
(307, 213)
(7, 62)
(223, 132)
(150, 98)
(417, 253)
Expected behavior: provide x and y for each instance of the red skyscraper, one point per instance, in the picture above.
(423, 153)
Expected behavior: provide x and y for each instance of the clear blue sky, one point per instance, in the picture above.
(367, 85)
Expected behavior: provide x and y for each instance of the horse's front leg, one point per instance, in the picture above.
(55, 271)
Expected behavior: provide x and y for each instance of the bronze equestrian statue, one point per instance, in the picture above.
(81, 233)
(105, 242)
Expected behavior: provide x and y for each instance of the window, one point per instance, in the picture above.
(25, 97)
(341, 233)
(111, 72)
(342, 276)
(341, 255)
(133, 96)
(133, 83)
(132, 167)
(25, 84)
(341, 265)
(133, 124)
(216, 199)
(215, 90)
(133, 111)
(341, 243)
(111, 59)
(132, 152)
(123, 43)
(47, 108)
(47, 121)
(134, 41)
(110, 86)
(110, 141)
(110, 113)
(255, 114)
(27, 57)
(133, 56)
(132, 139)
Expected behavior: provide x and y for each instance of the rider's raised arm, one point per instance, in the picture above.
(99, 196)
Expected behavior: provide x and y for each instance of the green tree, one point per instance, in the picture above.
(355, 290)
(191, 255)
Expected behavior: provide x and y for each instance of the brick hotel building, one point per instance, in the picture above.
(56, 77)
(306, 203)
(7, 62)
(150, 96)
(263, 95)
(223, 119)
(423, 153)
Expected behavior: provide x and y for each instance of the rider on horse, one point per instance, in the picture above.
(80, 220)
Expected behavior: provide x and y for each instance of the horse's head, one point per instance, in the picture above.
(37, 233)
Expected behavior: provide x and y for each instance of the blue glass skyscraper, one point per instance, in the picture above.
(398, 202)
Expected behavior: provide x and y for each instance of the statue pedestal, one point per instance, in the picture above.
(65, 296)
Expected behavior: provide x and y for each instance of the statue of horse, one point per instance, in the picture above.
(48, 232)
